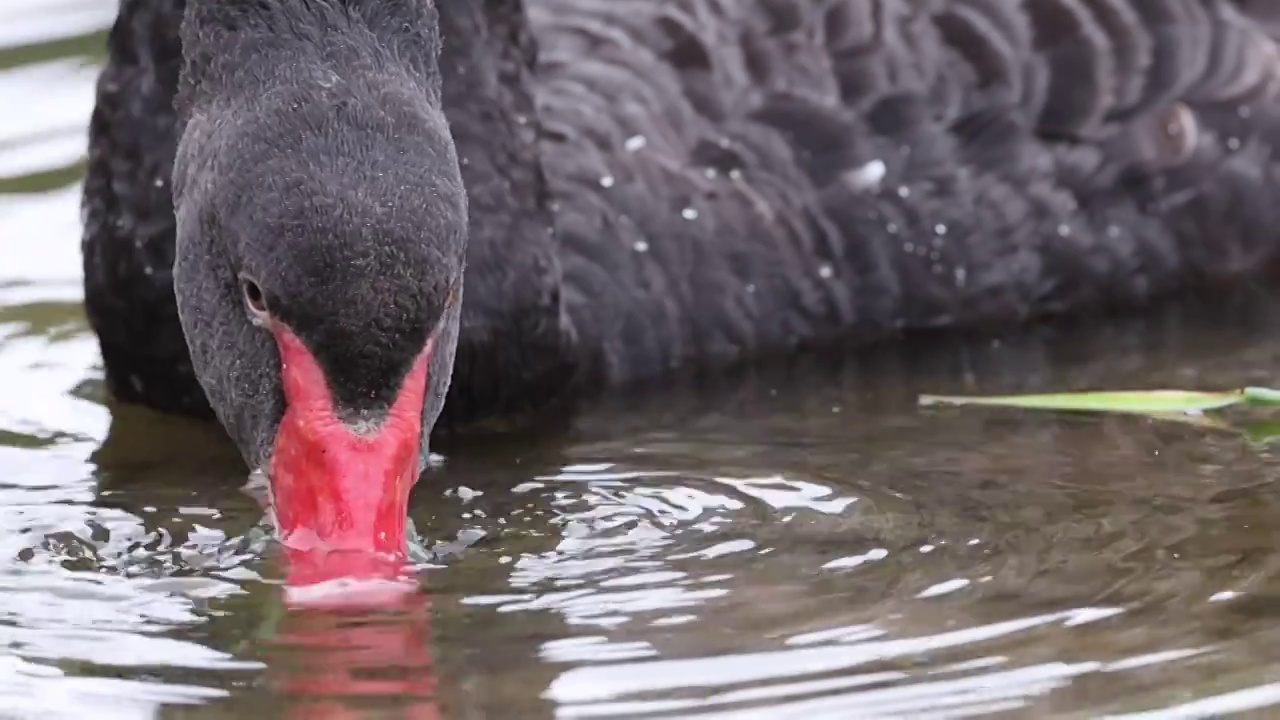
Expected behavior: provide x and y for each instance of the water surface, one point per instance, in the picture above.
(799, 541)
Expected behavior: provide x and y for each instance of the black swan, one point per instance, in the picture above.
(629, 185)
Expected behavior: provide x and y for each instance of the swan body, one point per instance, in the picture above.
(523, 198)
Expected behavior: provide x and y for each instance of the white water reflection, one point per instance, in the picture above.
(622, 529)
(49, 133)
(615, 681)
(40, 247)
(1240, 701)
(55, 20)
(786, 494)
(38, 690)
(853, 561)
(115, 612)
(789, 683)
(37, 377)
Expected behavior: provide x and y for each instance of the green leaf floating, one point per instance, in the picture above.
(1261, 396)
(1141, 402)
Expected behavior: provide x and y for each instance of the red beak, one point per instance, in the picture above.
(341, 494)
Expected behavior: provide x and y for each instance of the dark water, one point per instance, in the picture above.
(798, 542)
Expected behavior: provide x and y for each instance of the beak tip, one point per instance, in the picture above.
(347, 579)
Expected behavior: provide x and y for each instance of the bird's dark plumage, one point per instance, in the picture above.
(652, 182)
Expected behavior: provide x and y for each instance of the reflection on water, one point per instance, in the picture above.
(801, 541)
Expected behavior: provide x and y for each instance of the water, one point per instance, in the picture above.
(801, 541)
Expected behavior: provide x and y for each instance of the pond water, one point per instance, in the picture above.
(800, 541)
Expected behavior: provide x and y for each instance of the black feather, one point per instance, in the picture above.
(653, 183)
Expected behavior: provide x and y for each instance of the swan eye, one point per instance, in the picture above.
(254, 300)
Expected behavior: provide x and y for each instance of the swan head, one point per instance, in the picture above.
(321, 235)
